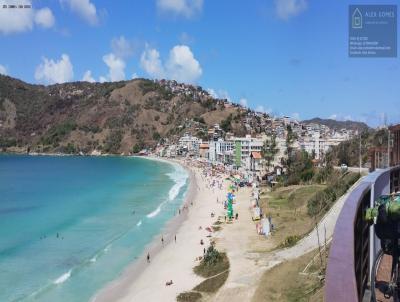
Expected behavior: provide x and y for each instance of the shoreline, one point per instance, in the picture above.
(117, 288)
(175, 260)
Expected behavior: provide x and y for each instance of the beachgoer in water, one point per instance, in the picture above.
(148, 257)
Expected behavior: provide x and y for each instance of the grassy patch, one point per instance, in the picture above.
(285, 283)
(322, 201)
(188, 297)
(213, 263)
(290, 241)
(214, 267)
(288, 209)
(211, 285)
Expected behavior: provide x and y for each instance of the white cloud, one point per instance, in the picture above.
(134, 76)
(285, 9)
(22, 20)
(220, 94)
(213, 93)
(151, 63)
(333, 117)
(3, 70)
(44, 17)
(121, 47)
(243, 102)
(116, 67)
(181, 65)
(87, 77)
(84, 9)
(185, 8)
(115, 61)
(50, 71)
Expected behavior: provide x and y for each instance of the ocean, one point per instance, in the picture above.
(70, 225)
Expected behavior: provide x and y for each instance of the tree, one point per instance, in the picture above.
(270, 150)
(300, 167)
(226, 123)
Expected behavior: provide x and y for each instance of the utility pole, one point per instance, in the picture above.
(388, 147)
(360, 154)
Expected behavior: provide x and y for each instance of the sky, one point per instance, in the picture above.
(284, 57)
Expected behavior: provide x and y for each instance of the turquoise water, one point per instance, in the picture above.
(69, 225)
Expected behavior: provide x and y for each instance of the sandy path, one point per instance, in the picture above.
(246, 266)
(175, 261)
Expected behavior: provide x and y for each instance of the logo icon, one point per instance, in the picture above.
(356, 19)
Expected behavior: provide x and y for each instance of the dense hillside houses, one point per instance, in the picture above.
(247, 153)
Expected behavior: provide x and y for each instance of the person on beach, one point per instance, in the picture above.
(175, 238)
(148, 257)
(162, 240)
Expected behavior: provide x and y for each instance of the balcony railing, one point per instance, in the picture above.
(354, 247)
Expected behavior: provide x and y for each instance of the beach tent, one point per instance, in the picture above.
(265, 226)
(256, 213)
(230, 210)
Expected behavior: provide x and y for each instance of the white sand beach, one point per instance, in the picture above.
(172, 260)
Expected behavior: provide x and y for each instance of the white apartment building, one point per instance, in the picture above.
(190, 143)
(220, 151)
(320, 145)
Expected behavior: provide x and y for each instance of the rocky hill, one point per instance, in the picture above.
(112, 118)
(337, 125)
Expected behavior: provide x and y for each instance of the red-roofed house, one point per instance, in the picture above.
(256, 161)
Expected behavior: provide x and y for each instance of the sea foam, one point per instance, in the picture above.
(63, 278)
(179, 176)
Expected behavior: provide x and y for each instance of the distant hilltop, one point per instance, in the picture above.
(337, 125)
(118, 117)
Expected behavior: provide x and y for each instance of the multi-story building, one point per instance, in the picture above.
(243, 148)
(204, 150)
(190, 144)
(220, 151)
